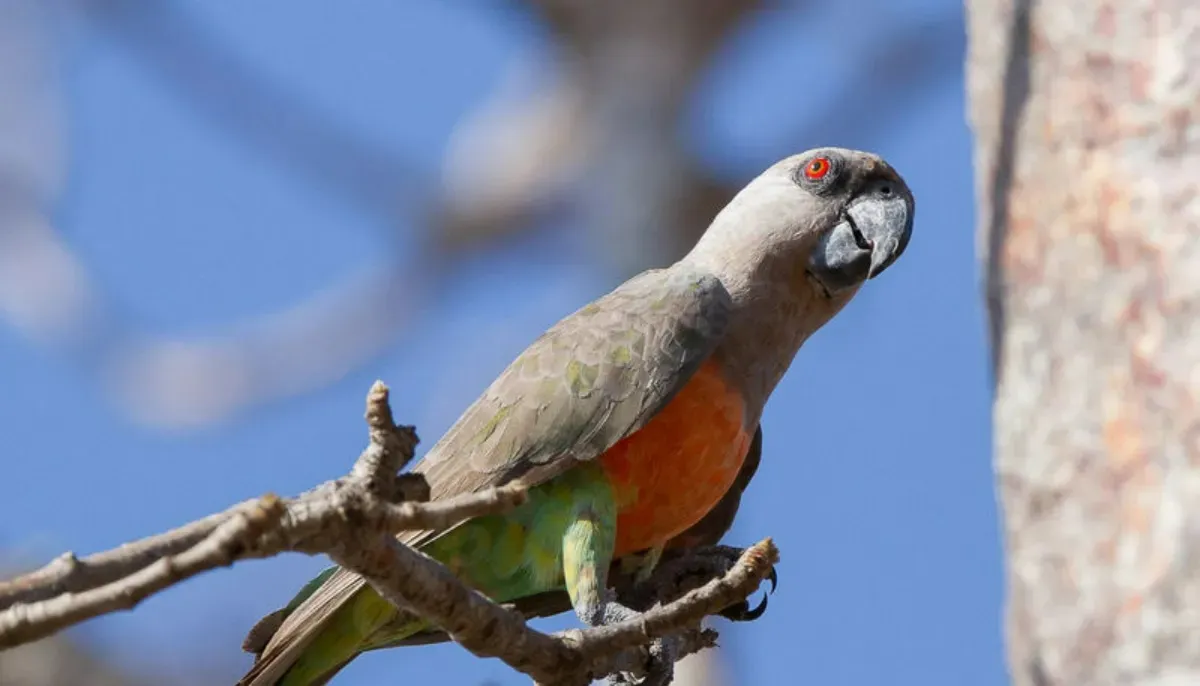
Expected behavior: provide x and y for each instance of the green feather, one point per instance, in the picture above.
(504, 556)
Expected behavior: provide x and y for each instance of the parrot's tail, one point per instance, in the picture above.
(312, 655)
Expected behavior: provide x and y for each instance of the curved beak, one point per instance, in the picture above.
(885, 221)
(874, 231)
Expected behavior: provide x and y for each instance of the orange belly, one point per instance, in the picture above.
(669, 474)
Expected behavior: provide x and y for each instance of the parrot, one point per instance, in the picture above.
(630, 420)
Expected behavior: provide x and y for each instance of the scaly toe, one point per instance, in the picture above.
(660, 665)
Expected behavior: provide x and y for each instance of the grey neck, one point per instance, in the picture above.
(776, 309)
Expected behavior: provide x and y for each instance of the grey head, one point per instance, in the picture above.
(844, 216)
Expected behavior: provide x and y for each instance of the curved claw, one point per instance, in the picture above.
(734, 613)
(742, 612)
(756, 612)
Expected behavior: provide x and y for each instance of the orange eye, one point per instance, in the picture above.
(818, 168)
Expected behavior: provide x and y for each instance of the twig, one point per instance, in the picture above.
(390, 448)
(23, 622)
(354, 520)
(69, 574)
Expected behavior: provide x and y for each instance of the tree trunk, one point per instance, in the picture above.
(1087, 152)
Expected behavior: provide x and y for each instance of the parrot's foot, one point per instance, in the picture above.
(713, 561)
(660, 667)
(741, 612)
(662, 654)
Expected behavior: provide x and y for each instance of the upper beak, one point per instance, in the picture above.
(873, 233)
(885, 220)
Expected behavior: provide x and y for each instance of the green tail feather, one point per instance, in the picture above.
(366, 615)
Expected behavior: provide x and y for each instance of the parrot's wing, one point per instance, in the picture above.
(593, 378)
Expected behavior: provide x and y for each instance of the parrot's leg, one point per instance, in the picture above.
(587, 552)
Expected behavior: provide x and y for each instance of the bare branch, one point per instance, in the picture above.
(446, 513)
(354, 520)
(69, 590)
(390, 448)
(69, 574)
(23, 622)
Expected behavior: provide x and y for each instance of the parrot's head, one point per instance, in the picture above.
(844, 216)
(857, 215)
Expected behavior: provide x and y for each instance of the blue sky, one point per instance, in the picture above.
(876, 480)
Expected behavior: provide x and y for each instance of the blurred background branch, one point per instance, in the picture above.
(607, 128)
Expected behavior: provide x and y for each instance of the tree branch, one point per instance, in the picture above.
(354, 520)
(69, 574)
(23, 623)
(390, 447)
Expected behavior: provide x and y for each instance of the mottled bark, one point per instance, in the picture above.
(1088, 180)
